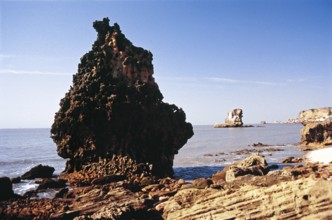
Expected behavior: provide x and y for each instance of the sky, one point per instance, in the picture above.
(272, 58)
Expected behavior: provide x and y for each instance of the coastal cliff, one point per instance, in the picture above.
(115, 107)
(315, 115)
(317, 130)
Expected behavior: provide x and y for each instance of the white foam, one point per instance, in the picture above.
(322, 155)
(24, 186)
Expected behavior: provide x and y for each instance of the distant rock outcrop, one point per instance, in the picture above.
(114, 107)
(315, 115)
(317, 129)
(234, 119)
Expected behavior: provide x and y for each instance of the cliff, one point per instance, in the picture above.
(315, 115)
(115, 107)
(317, 130)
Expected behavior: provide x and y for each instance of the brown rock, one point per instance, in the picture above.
(39, 171)
(51, 183)
(202, 183)
(115, 107)
(6, 188)
(253, 165)
(317, 133)
(292, 160)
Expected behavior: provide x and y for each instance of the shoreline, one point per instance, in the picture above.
(323, 155)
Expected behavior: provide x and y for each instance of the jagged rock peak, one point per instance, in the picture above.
(114, 107)
(115, 57)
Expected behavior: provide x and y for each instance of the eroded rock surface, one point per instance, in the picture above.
(115, 107)
(234, 119)
(302, 192)
(317, 130)
(317, 133)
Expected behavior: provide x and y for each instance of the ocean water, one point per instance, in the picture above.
(209, 150)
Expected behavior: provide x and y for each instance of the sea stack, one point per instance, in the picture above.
(317, 131)
(115, 107)
(234, 119)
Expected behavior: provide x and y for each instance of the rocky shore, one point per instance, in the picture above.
(119, 139)
(246, 189)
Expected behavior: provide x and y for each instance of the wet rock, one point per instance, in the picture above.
(16, 180)
(292, 160)
(115, 107)
(51, 183)
(6, 188)
(259, 144)
(39, 171)
(62, 193)
(246, 151)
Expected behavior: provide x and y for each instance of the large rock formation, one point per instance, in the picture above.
(234, 119)
(317, 129)
(114, 107)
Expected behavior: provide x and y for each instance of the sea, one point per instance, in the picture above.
(209, 150)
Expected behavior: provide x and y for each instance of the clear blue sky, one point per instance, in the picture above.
(272, 58)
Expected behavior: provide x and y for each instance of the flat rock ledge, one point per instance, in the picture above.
(300, 192)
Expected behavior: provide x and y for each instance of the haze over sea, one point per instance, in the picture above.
(209, 150)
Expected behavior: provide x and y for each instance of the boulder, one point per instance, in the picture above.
(115, 107)
(254, 165)
(38, 171)
(6, 188)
